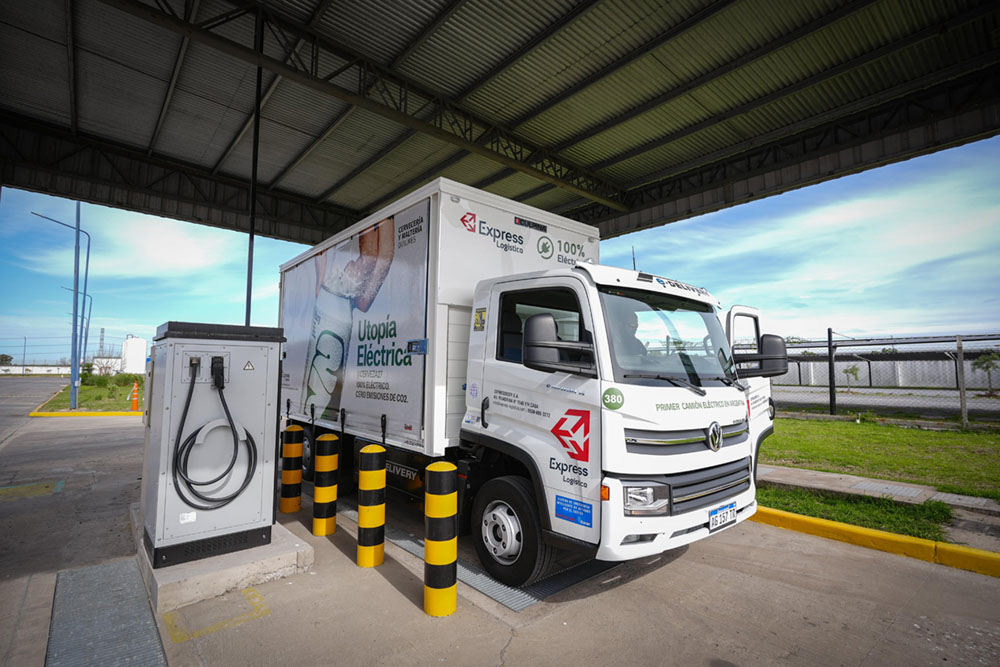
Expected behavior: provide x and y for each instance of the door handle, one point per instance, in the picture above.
(483, 407)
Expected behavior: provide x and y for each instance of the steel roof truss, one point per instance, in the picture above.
(551, 170)
(862, 60)
(685, 25)
(273, 85)
(978, 89)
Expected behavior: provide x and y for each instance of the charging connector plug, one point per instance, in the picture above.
(218, 372)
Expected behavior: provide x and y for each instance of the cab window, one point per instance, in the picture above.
(516, 307)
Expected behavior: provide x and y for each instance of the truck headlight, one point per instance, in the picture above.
(646, 500)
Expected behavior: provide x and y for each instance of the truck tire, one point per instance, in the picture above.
(507, 533)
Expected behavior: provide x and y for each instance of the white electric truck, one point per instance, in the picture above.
(586, 407)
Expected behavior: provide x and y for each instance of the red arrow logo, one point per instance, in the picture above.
(576, 439)
(469, 220)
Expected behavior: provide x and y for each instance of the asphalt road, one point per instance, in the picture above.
(21, 395)
(752, 594)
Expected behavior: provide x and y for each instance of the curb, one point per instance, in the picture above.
(942, 553)
(85, 414)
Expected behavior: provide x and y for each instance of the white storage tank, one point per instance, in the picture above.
(133, 355)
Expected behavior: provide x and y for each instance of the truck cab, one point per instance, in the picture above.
(606, 412)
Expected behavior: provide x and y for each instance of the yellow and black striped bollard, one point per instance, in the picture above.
(291, 470)
(371, 506)
(440, 539)
(325, 484)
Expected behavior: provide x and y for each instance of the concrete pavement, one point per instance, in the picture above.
(752, 594)
(862, 486)
(19, 396)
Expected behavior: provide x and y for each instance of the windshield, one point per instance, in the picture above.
(654, 334)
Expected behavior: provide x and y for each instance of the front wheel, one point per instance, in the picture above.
(507, 533)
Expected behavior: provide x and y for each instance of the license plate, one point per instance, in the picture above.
(721, 517)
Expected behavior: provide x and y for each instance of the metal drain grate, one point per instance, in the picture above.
(101, 616)
(515, 599)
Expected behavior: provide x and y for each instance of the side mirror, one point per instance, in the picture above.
(772, 358)
(543, 351)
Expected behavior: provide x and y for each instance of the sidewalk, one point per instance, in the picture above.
(976, 521)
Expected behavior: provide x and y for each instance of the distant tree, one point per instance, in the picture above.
(889, 350)
(6, 360)
(106, 366)
(851, 372)
(987, 363)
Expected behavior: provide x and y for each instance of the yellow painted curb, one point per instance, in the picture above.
(967, 558)
(952, 555)
(84, 414)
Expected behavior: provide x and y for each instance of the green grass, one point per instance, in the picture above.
(924, 520)
(94, 399)
(953, 461)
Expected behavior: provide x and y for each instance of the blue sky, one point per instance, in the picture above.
(144, 270)
(911, 248)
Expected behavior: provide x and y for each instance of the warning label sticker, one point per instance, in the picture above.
(574, 511)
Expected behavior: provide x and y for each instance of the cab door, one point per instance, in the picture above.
(552, 416)
(743, 330)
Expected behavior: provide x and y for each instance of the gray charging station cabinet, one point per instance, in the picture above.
(179, 525)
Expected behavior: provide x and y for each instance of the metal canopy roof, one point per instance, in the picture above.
(620, 113)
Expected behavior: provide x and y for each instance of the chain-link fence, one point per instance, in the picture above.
(932, 377)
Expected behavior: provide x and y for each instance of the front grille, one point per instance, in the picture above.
(709, 486)
(681, 442)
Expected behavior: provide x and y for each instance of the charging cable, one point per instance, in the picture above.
(182, 451)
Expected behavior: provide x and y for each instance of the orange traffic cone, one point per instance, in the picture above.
(135, 396)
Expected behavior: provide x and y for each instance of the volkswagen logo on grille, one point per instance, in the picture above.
(714, 436)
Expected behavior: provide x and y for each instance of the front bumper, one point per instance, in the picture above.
(627, 537)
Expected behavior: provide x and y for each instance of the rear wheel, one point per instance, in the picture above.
(507, 533)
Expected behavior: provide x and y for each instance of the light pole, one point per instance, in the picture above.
(74, 353)
(86, 328)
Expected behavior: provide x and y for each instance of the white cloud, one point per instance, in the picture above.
(133, 246)
(908, 248)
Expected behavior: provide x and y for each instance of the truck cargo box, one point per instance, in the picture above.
(378, 316)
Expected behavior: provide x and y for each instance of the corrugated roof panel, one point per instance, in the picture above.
(43, 18)
(471, 170)
(114, 100)
(361, 136)
(692, 106)
(456, 55)
(124, 39)
(688, 148)
(514, 185)
(815, 54)
(300, 10)
(305, 109)
(681, 58)
(33, 76)
(598, 38)
(279, 144)
(550, 199)
(379, 29)
(197, 129)
(602, 37)
(384, 176)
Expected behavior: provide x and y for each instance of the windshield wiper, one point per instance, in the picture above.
(676, 381)
(732, 382)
